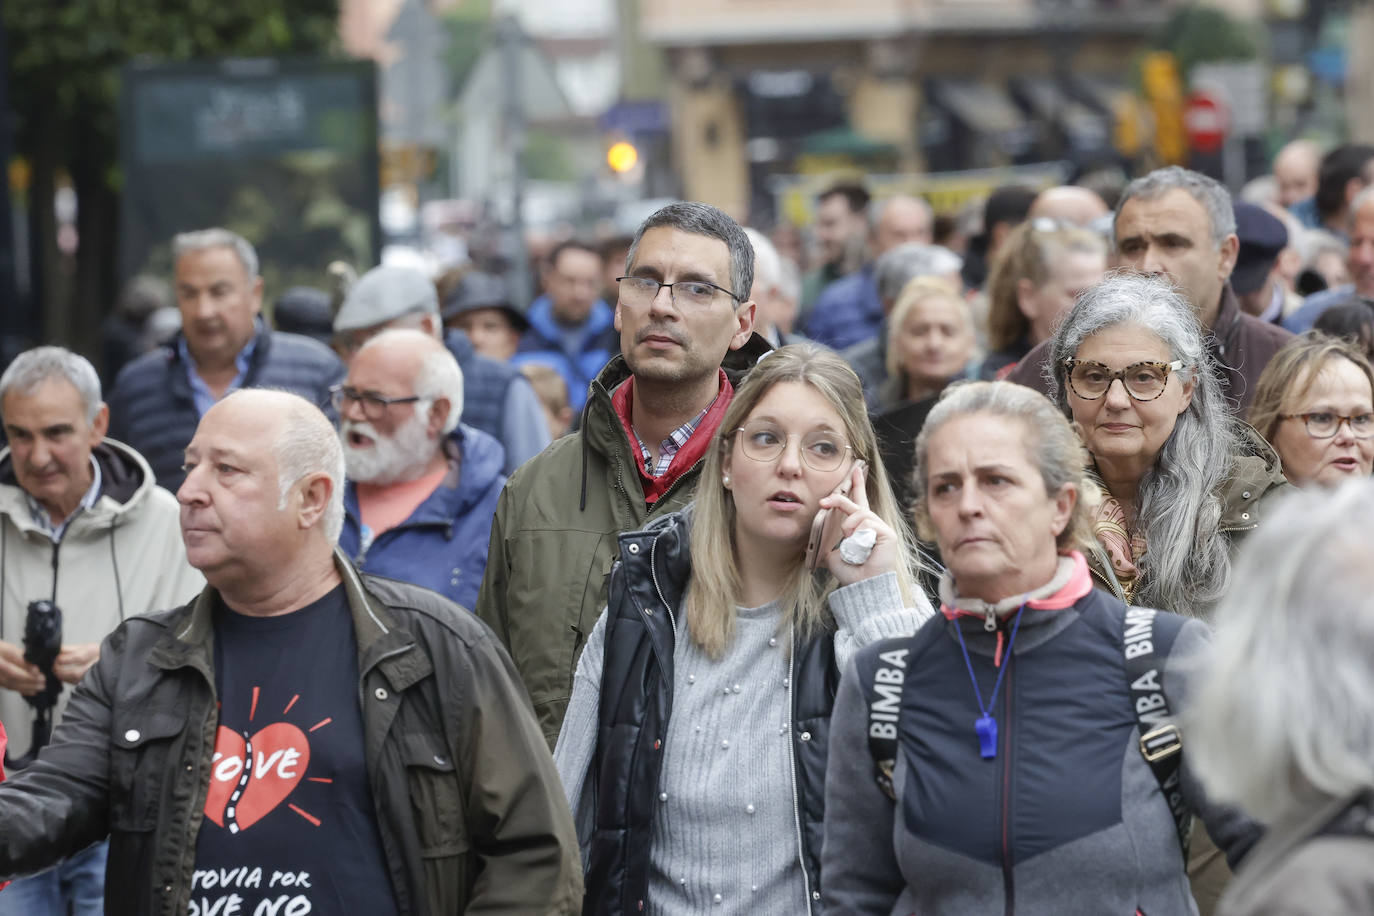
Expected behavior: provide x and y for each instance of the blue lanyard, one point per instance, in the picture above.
(985, 727)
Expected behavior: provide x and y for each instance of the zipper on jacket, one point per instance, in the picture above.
(792, 760)
(653, 574)
(1008, 880)
(56, 546)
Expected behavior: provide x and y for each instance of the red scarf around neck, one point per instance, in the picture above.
(622, 399)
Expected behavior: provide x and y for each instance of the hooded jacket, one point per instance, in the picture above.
(543, 343)
(122, 556)
(554, 537)
(443, 544)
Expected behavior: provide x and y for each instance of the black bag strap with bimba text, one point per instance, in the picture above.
(1147, 638)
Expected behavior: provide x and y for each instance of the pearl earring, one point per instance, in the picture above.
(725, 481)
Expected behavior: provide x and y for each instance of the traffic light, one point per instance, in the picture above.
(622, 157)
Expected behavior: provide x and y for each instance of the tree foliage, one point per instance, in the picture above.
(1199, 33)
(65, 55)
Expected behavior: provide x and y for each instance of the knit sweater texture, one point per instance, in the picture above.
(725, 835)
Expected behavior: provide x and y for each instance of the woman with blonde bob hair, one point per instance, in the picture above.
(1007, 732)
(929, 342)
(694, 748)
(1314, 403)
(1284, 713)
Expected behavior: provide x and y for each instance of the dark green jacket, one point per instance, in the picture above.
(554, 538)
(470, 811)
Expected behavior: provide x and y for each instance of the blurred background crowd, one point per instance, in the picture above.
(458, 135)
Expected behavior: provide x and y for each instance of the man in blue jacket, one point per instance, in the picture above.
(570, 326)
(422, 488)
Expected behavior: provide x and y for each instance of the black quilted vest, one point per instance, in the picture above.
(644, 604)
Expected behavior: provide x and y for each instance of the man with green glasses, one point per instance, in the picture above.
(686, 322)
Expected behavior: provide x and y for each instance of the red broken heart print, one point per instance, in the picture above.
(280, 756)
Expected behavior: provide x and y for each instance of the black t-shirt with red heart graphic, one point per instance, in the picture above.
(290, 828)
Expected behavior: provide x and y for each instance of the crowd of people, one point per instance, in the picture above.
(931, 575)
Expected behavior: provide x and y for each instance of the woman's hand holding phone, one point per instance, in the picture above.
(847, 511)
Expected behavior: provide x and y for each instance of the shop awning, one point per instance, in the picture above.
(984, 109)
(1085, 129)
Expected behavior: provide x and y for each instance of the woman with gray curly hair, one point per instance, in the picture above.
(1180, 476)
(1283, 716)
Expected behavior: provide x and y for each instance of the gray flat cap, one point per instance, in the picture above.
(383, 294)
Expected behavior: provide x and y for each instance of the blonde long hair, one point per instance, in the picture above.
(715, 588)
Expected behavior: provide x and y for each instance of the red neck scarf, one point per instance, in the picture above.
(622, 400)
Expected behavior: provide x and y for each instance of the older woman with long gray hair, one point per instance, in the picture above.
(1284, 715)
(1180, 476)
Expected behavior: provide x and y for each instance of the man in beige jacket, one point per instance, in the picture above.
(83, 525)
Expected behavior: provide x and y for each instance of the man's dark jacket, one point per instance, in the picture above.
(637, 700)
(469, 808)
(1241, 344)
(151, 407)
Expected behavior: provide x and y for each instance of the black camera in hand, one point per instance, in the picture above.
(42, 643)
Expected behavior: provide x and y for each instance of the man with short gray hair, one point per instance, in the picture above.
(86, 529)
(224, 345)
(775, 291)
(1181, 225)
(300, 737)
(422, 487)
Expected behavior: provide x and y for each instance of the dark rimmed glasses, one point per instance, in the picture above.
(374, 405)
(1323, 424)
(693, 293)
(1143, 381)
(821, 449)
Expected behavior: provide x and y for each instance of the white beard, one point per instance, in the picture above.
(402, 456)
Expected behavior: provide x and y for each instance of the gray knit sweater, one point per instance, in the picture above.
(724, 839)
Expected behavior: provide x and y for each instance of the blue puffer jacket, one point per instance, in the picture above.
(848, 311)
(1067, 818)
(443, 545)
(543, 343)
(152, 410)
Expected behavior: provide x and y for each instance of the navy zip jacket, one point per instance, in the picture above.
(152, 409)
(1067, 818)
(443, 544)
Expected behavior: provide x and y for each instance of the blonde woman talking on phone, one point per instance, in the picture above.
(694, 749)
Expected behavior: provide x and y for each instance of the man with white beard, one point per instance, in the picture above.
(422, 487)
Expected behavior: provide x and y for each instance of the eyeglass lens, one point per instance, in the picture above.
(373, 407)
(822, 450)
(1324, 425)
(641, 290)
(1143, 381)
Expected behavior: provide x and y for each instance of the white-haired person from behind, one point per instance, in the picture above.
(1283, 720)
